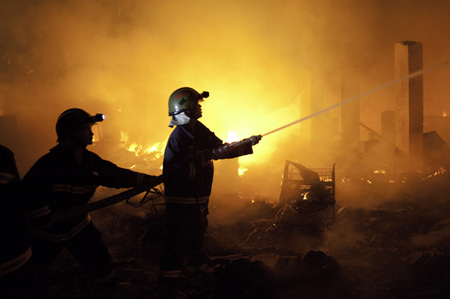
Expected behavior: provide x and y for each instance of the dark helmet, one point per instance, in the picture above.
(183, 99)
(72, 119)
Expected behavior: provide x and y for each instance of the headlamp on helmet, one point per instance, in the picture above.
(72, 119)
(183, 99)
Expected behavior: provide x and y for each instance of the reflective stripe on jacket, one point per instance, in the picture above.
(57, 182)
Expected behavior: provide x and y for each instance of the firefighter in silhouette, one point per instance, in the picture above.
(188, 171)
(15, 251)
(67, 177)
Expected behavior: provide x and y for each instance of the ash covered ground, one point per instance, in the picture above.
(396, 247)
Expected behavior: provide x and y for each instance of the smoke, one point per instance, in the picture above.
(124, 58)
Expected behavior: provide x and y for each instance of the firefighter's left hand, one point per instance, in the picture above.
(153, 180)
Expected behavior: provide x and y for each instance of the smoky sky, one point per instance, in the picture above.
(124, 58)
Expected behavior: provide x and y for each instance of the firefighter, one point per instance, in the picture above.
(15, 250)
(188, 171)
(67, 177)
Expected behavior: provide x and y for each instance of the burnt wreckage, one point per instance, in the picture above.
(307, 198)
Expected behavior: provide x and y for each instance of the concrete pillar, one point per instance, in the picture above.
(409, 100)
(388, 126)
(350, 116)
(312, 101)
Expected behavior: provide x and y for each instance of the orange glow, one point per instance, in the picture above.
(242, 171)
(260, 74)
(157, 149)
(232, 137)
(379, 171)
(136, 148)
(440, 171)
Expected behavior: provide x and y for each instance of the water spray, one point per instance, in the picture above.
(383, 86)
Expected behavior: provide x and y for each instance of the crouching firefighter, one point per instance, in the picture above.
(188, 171)
(65, 178)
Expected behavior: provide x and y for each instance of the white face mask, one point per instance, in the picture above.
(179, 119)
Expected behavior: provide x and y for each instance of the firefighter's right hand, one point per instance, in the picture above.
(255, 139)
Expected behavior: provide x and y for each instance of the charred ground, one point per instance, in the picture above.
(398, 247)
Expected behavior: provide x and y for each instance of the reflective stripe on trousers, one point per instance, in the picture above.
(16, 263)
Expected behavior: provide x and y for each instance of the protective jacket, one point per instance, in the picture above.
(14, 246)
(188, 168)
(188, 176)
(58, 182)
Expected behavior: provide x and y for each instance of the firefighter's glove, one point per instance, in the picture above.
(152, 180)
(221, 152)
(255, 139)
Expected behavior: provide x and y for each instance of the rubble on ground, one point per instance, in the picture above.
(398, 247)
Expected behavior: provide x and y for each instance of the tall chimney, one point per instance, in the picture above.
(409, 99)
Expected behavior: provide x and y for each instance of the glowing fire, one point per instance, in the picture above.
(242, 171)
(444, 114)
(441, 170)
(157, 149)
(379, 171)
(232, 137)
(136, 148)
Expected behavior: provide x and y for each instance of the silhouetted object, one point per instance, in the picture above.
(307, 198)
(188, 171)
(15, 251)
(65, 178)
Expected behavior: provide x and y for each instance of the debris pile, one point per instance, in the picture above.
(396, 247)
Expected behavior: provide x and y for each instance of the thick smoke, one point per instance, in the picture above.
(124, 58)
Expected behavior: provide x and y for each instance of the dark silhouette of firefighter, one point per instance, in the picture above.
(15, 251)
(67, 177)
(188, 171)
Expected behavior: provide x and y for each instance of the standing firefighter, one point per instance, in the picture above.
(188, 171)
(15, 251)
(67, 177)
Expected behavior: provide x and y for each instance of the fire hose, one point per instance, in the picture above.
(105, 202)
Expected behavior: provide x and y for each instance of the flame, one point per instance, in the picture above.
(241, 171)
(156, 150)
(232, 137)
(444, 114)
(379, 171)
(136, 148)
(439, 171)
(123, 137)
